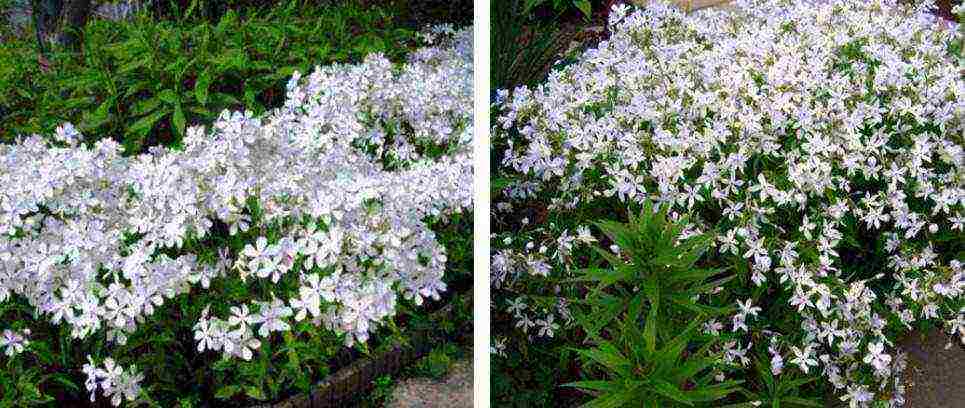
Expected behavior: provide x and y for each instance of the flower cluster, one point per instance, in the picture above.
(335, 187)
(114, 382)
(807, 136)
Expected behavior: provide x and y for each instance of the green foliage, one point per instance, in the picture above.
(585, 7)
(521, 51)
(658, 371)
(655, 267)
(637, 309)
(776, 392)
(22, 389)
(144, 82)
(437, 363)
(382, 390)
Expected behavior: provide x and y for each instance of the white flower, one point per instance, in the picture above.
(240, 317)
(857, 396)
(14, 342)
(803, 358)
(713, 327)
(272, 316)
(114, 381)
(546, 326)
(877, 357)
(516, 306)
(204, 333)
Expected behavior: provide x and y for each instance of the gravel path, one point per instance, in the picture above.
(454, 391)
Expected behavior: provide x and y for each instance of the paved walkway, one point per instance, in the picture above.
(935, 377)
(455, 391)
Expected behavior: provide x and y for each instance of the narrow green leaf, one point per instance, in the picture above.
(201, 87)
(178, 120)
(608, 356)
(255, 392)
(168, 96)
(801, 402)
(585, 7)
(144, 125)
(145, 106)
(227, 391)
(612, 400)
(609, 386)
(669, 391)
(650, 331)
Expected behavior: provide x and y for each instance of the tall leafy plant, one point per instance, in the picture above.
(656, 266)
(641, 315)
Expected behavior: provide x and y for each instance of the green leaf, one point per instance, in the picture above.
(612, 400)
(713, 392)
(609, 386)
(227, 391)
(224, 99)
(201, 87)
(584, 6)
(254, 392)
(786, 386)
(669, 391)
(671, 351)
(693, 366)
(178, 120)
(132, 65)
(65, 380)
(144, 125)
(765, 374)
(650, 332)
(79, 103)
(168, 96)
(605, 309)
(530, 5)
(801, 401)
(145, 106)
(608, 356)
(222, 365)
(250, 101)
(98, 116)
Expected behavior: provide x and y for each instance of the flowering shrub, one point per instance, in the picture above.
(819, 143)
(328, 195)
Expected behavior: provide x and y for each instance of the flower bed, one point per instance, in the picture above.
(817, 147)
(312, 218)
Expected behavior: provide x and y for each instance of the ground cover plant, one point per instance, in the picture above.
(737, 208)
(232, 265)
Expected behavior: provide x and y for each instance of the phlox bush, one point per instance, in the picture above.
(332, 192)
(819, 143)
